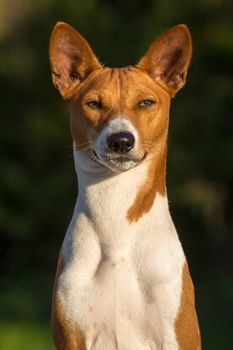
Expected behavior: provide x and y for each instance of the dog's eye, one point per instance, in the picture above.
(94, 104)
(146, 103)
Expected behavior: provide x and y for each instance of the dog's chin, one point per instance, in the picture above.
(117, 164)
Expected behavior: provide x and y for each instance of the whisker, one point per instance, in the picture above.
(83, 149)
(85, 143)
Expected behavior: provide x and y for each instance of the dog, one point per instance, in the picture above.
(122, 279)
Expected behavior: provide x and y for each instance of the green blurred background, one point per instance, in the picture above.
(37, 179)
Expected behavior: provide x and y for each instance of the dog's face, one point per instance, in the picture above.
(119, 116)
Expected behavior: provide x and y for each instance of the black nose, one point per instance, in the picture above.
(121, 142)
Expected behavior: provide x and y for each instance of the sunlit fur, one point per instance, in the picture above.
(122, 281)
(120, 92)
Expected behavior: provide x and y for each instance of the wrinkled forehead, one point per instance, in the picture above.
(121, 84)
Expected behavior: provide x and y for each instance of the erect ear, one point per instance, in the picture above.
(71, 57)
(168, 58)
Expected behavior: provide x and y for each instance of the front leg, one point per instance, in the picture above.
(187, 328)
(66, 335)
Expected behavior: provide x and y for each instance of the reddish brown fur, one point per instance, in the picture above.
(186, 326)
(159, 75)
(168, 58)
(155, 183)
(66, 335)
(119, 91)
(72, 58)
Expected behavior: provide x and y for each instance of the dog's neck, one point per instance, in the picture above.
(114, 199)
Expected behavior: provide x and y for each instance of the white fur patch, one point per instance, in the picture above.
(122, 281)
(110, 160)
(114, 126)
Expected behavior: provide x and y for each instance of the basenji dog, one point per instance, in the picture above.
(122, 279)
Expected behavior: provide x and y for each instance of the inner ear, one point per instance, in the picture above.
(168, 58)
(71, 57)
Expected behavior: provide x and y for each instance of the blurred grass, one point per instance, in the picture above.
(25, 312)
(37, 336)
(26, 336)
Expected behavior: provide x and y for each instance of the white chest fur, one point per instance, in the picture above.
(122, 281)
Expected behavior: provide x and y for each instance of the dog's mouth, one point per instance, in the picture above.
(118, 162)
(95, 154)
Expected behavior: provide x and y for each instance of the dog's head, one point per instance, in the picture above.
(119, 116)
